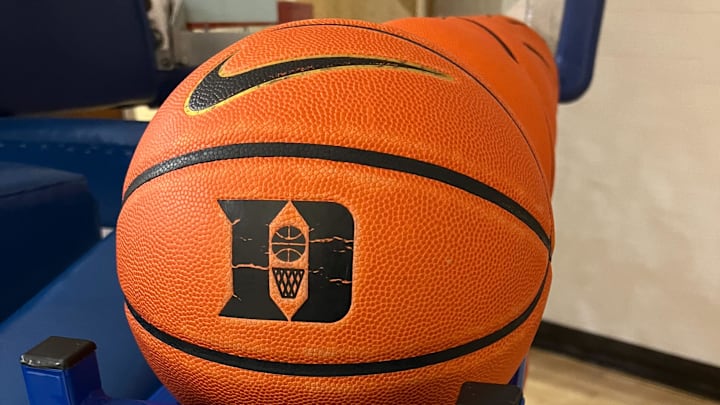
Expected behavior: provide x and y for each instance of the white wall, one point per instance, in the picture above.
(637, 198)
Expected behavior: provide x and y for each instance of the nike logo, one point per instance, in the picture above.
(214, 89)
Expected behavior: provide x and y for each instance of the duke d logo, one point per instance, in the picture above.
(291, 260)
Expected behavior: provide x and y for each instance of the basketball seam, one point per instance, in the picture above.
(454, 63)
(341, 369)
(346, 155)
(507, 49)
(494, 35)
(535, 51)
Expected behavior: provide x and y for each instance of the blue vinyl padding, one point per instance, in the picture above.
(100, 150)
(85, 302)
(162, 397)
(577, 46)
(48, 219)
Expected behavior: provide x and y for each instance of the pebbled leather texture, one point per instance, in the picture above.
(434, 267)
(513, 62)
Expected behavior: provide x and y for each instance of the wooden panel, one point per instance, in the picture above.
(558, 380)
(370, 10)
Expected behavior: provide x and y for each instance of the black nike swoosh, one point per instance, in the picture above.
(215, 88)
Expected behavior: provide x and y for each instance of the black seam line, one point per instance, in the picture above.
(456, 64)
(535, 51)
(494, 35)
(339, 370)
(345, 155)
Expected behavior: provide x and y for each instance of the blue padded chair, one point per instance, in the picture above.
(48, 219)
(100, 150)
(56, 213)
(86, 302)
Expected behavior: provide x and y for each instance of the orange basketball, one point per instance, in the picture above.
(334, 211)
(515, 65)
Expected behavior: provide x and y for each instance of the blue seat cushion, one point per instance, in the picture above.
(100, 150)
(83, 302)
(48, 219)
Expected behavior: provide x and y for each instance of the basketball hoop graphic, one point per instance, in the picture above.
(288, 260)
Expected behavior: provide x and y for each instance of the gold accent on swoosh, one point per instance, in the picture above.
(406, 66)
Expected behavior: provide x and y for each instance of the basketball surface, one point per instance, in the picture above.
(334, 211)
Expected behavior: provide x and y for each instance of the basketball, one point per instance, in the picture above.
(334, 211)
(491, 47)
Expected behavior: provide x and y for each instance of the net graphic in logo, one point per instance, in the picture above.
(291, 260)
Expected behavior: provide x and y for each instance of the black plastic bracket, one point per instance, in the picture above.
(472, 393)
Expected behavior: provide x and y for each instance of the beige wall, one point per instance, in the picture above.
(637, 198)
